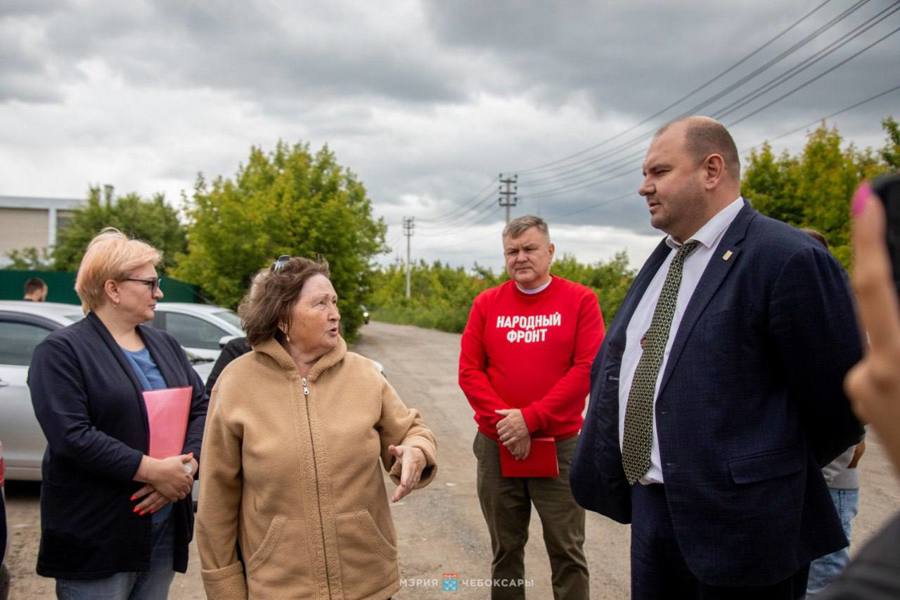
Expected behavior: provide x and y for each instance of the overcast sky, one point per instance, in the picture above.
(427, 102)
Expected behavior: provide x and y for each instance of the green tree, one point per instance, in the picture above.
(890, 154)
(30, 259)
(773, 182)
(442, 295)
(610, 279)
(813, 189)
(288, 201)
(152, 221)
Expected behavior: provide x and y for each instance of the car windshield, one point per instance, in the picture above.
(229, 317)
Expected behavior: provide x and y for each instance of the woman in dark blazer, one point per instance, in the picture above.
(115, 523)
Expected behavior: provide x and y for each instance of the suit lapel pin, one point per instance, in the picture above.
(727, 255)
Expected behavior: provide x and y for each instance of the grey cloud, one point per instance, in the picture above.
(259, 54)
(632, 59)
(636, 57)
(28, 8)
(24, 76)
(26, 87)
(331, 70)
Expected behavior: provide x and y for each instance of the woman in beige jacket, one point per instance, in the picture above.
(292, 498)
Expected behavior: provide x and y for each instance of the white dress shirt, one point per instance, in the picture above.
(709, 236)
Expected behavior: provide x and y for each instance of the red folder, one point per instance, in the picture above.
(540, 462)
(167, 413)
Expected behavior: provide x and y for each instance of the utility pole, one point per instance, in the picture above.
(408, 226)
(508, 196)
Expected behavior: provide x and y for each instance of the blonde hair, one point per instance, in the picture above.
(110, 255)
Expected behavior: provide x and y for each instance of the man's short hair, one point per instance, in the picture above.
(520, 225)
(705, 136)
(35, 284)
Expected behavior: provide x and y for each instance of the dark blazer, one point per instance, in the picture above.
(90, 405)
(751, 403)
(233, 349)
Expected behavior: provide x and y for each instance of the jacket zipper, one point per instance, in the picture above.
(312, 445)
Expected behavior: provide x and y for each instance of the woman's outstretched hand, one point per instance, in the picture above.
(412, 463)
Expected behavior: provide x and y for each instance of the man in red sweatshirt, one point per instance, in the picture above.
(525, 366)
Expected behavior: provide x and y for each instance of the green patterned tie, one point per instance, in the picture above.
(637, 438)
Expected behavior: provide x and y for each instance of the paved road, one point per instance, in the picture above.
(440, 528)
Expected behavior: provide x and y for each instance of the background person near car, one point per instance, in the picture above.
(35, 290)
(115, 523)
(292, 498)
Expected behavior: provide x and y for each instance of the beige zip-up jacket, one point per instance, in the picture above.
(290, 474)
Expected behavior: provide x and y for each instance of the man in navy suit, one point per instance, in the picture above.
(717, 393)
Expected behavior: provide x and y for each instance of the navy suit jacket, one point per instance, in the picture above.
(750, 404)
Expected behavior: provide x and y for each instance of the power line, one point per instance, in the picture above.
(814, 79)
(684, 97)
(599, 205)
(809, 62)
(766, 66)
(584, 186)
(589, 162)
(479, 196)
(588, 179)
(826, 117)
(780, 136)
(463, 219)
(579, 178)
(590, 176)
(461, 214)
(857, 104)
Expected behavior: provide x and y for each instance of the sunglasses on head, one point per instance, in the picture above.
(279, 263)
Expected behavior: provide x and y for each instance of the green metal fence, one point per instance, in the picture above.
(61, 287)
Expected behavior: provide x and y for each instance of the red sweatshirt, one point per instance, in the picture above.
(532, 352)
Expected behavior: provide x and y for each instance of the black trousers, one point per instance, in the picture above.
(658, 569)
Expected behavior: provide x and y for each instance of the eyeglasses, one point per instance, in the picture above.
(153, 283)
(278, 265)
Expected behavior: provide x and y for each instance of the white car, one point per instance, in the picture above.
(202, 329)
(23, 325)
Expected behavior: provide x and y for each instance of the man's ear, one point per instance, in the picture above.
(713, 170)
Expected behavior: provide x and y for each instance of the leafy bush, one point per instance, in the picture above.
(441, 296)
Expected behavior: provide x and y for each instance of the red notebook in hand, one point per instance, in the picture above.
(167, 413)
(541, 461)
